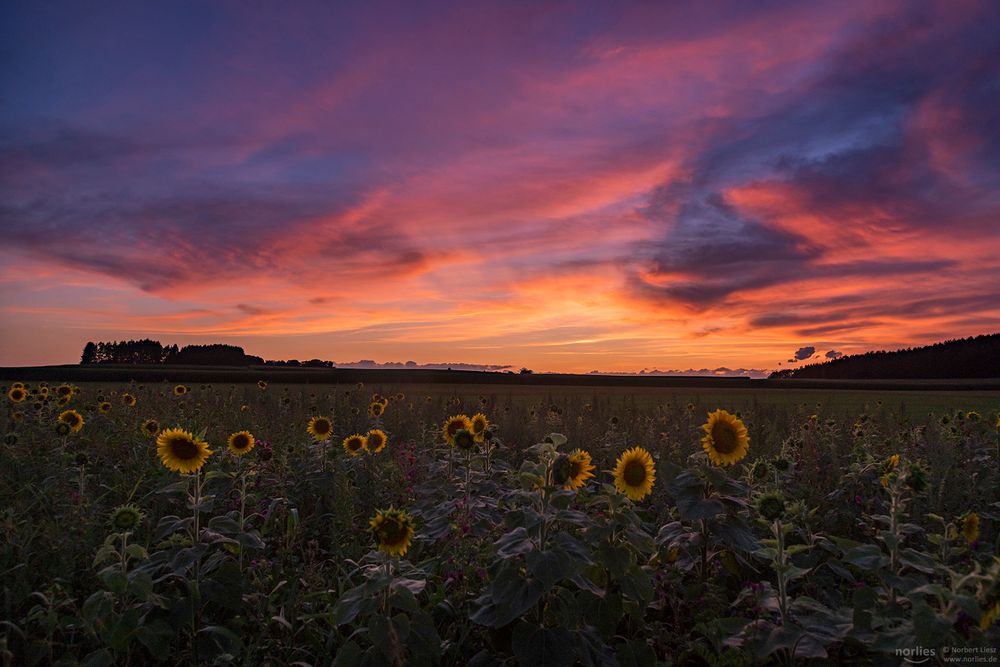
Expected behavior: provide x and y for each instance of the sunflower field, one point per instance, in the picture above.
(417, 525)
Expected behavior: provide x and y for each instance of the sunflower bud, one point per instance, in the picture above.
(464, 439)
(771, 506)
(125, 518)
(10, 439)
(916, 477)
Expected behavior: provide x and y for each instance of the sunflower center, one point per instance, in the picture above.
(724, 438)
(575, 469)
(241, 442)
(634, 473)
(184, 449)
(354, 444)
(392, 532)
(72, 419)
(322, 427)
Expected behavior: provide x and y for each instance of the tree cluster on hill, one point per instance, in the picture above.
(148, 351)
(973, 357)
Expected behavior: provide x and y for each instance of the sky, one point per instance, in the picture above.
(567, 186)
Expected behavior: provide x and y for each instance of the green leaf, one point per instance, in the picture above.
(637, 585)
(514, 543)
(549, 567)
(917, 560)
(615, 558)
(635, 653)
(694, 508)
(348, 655)
(865, 556)
(224, 638)
(533, 645)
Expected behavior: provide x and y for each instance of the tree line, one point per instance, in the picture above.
(973, 357)
(146, 351)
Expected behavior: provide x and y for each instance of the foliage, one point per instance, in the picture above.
(843, 537)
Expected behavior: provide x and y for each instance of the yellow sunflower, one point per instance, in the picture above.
(104, 407)
(128, 399)
(17, 394)
(376, 439)
(580, 469)
(455, 424)
(180, 390)
(18, 385)
(262, 384)
(150, 427)
(64, 391)
(479, 426)
(180, 451)
(990, 616)
(320, 428)
(970, 527)
(43, 391)
(241, 443)
(725, 440)
(73, 419)
(376, 409)
(393, 529)
(635, 473)
(353, 444)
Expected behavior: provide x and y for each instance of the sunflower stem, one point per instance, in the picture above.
(243, 502)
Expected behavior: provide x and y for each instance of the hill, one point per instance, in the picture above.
(966, 358)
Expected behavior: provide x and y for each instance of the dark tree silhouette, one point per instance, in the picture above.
(973, 357)
(89, 353)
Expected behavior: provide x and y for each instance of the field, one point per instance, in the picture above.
(857, 526)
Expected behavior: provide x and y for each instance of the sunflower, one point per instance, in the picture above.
(180, 451)
(180, 390)
(725, 440)
(241, 443)
(453, 425)
(64, 391)
(990, 616)
(262, 384)
(479, 426)
(353, 444)
(125, 518)
(62, 401)
(17, 394)
(73, 419)
(580, 467)
(464, 440)
(18, 385)
(128, 399)
(376, 409)
(43, 391)
(375, 440)
(104, 407)
(635, 473)
(970, 527)
(320, 428)
(150, 427)
(393, 529)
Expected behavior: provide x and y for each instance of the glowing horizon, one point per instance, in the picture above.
(560, 187)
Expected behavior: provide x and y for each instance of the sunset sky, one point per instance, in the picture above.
(564, 186)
